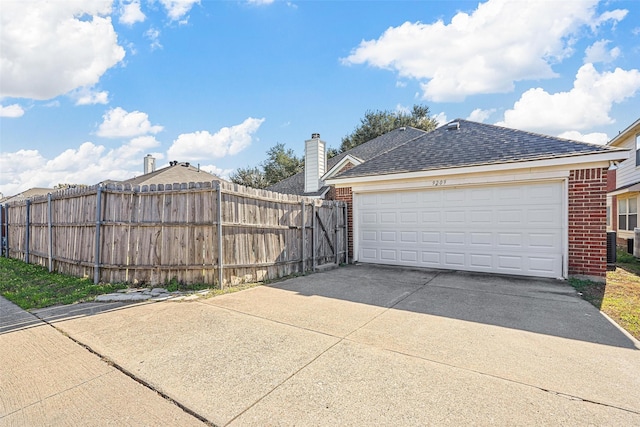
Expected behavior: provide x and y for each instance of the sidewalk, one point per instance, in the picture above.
(47, 379)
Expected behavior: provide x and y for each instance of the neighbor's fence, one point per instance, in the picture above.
(210, 232)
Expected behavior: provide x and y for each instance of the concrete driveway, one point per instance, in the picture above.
(372, 345)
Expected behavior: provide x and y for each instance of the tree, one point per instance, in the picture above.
(280, 164)
(249, 177)
(376, 123)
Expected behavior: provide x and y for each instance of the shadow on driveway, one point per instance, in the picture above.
(543, 306)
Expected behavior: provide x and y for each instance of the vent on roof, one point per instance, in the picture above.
(453, 126)
(403, 128)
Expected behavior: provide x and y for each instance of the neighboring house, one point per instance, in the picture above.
(477, 197)
(175, 173)
(32, 192)
(624, 186)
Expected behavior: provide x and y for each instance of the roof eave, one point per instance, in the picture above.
(622, 135)
(594, 159)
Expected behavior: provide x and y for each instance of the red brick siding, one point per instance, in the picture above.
(611, 180)
(331, 194)
(346, 195)
(587, 222)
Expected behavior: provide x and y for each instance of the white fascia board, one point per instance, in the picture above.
(568, 163)
(623, 135)
(630, 189)
(346, 159)
(464, 180)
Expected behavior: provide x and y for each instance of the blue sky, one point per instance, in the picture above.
(88, 88)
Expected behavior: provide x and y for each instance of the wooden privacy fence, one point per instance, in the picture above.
(210, 232)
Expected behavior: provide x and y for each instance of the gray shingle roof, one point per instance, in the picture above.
(367, 151)
(180, 173)
(472, 144)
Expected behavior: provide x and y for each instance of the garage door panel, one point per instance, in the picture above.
(454, 217)
(431, 218)
(481, 261)
(480, 218)
(409, 256)
(454, 259)
(481, 239)
(369, 218)
(515, 229)
(453, 238)
(510, 263)
(409, 237)
(409, 217)
(388, 254)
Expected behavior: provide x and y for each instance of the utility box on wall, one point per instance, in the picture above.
(636, 242)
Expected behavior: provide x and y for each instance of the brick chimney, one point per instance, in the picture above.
(315, 163)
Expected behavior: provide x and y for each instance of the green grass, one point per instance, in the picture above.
(32, 286)
(619, 297)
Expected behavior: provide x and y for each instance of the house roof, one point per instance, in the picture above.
(365, 152)
(178, 173)
(32, 192)
(471, 144)
(621, 136)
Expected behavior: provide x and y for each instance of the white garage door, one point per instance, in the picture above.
(510, 229)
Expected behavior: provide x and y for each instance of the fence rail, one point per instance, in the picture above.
(209, 232)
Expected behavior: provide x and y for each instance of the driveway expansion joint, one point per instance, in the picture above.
(132, 376)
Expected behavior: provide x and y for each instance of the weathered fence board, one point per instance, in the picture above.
(190, 232)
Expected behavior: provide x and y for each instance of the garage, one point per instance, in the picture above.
(506, 228)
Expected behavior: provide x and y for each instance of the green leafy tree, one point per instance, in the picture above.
(250, 177)
(376, 123)
(281, 163)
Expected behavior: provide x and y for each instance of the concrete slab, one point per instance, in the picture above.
(365, 345)
(355, 296)
(213, 359)
(47, 379)
(354, 384)
(14, 318)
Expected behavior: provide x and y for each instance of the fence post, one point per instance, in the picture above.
(96, 269)
(346, 233)
(27, 231)
(304, 232)
(5, 230)
(219, 220)
(334, 207)
(50, 230)
(314, 233)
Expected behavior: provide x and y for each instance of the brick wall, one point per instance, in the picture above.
(587, 223)
(346, 195)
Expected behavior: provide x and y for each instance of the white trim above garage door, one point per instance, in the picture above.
(508, 229)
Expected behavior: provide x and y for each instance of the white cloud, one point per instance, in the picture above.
(598, 52)
(52, 47)
(594, 138)
(441, 118)
(260, 2)
(87, 96)
(13, 111)
(487, 51)
(87, 164)
(480, 115)
(586, 105)
(130, 12)
(203, 145)
(118, 123)
(153, 35)
(178, 9)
